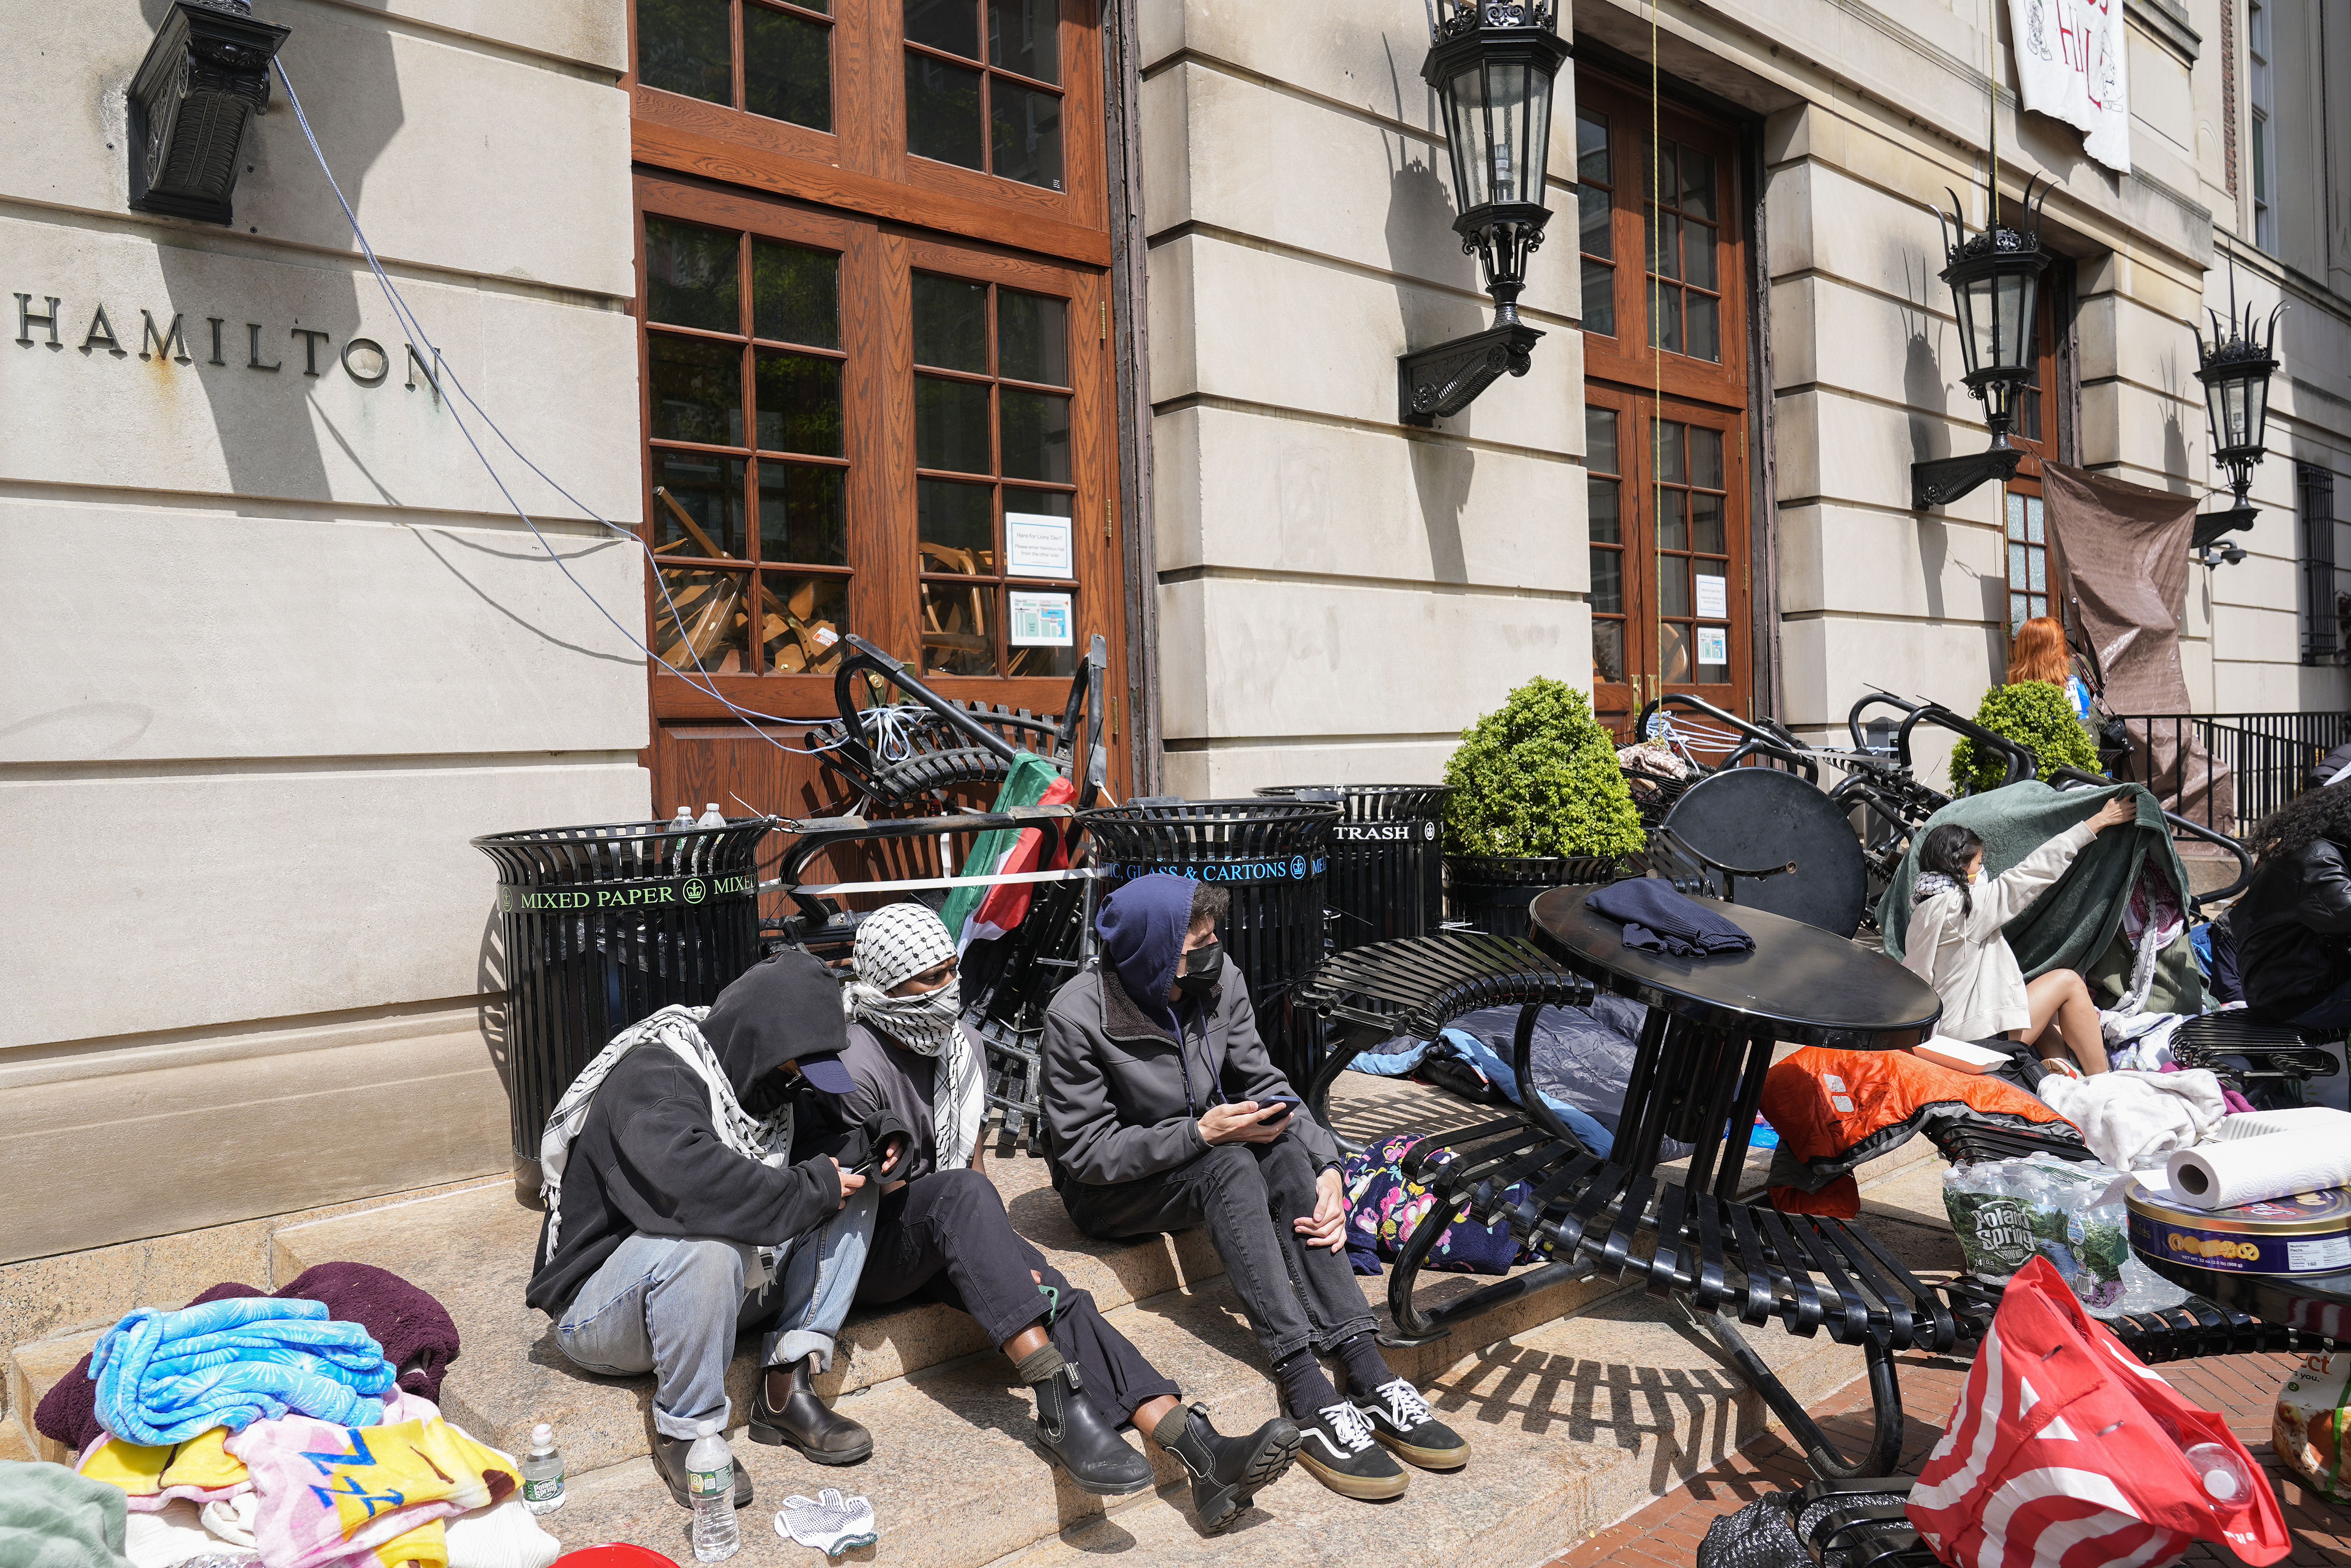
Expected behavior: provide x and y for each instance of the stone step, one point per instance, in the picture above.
(1571, 1422)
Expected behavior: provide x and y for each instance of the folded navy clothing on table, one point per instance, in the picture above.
(1657, 919)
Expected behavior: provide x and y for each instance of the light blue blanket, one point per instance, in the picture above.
(1497, 1072)
(164, 1377)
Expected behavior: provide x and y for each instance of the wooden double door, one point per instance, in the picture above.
(1663, 258)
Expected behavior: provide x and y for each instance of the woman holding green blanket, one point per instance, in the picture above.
(1955, 944)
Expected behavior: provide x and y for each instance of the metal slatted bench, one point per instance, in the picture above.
(1726, 1262)
(2273, 1053)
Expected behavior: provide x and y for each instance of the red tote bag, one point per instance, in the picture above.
(2066, 1452)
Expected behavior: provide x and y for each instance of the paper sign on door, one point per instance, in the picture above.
(1037, 545)
(1039, 619)
(1713, 645)
(1713, 595)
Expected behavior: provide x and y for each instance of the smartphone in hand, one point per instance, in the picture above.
(1276, 1107)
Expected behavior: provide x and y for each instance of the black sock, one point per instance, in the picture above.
(1367, 1369)
(1304, 1386)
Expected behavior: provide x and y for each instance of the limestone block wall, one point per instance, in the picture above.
(1339, 595)
(278, 646)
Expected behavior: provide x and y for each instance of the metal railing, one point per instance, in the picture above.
(2258, 762)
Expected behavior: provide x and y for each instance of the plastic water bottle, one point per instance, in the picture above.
(711, 817)
(2225, 1477)
(542, 1472)
(710, 1484)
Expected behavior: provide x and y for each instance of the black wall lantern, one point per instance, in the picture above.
(1995, 282)
(1492, 64)
(2235, 370)
(192, 106)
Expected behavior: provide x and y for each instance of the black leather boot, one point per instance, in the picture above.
(785, 1410)
(1088, 1447)
(1226, 1472)
(669, 1458)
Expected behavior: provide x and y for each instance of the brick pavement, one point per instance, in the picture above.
(1666, 1534)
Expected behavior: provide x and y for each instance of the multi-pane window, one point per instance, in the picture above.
(1684, 284)
(1604, 485)
(2028, 560)
(1594, 195)
(994, 497)
(747, 467)
(769, 60)
(998, 107)
(1693, 555)
(2264, 105)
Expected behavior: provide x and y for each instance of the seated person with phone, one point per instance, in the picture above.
(913, 1089)
(1164, 1113)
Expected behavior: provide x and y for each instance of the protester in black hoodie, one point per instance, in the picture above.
(666, 1180)
(1166, 1113)
(2292, 926)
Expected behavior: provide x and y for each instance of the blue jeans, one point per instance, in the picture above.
(673, 1305)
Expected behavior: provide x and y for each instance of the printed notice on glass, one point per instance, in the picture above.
(1040, 620)
(1037, 545)
(1713, 595)
(1713, 643)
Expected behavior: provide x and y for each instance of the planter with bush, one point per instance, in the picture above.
(2038, 717)
(1538, 801)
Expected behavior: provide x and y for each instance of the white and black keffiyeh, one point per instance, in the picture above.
(679, 1029)
(895, 945)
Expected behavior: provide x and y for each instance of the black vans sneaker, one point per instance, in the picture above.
(1400, 1419)
(1338, 1446)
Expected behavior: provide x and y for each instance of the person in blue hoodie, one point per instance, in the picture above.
(1163, 1113)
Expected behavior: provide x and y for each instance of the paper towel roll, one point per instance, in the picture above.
(2317, 1120)
(2255, 1170)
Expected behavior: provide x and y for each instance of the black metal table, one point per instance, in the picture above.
(1698, 1076)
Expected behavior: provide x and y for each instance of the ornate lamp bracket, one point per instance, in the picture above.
(1940, 481)
(1440, 382)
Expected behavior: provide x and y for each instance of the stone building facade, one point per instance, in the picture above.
(276, 644)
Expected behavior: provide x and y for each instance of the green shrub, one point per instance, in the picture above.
(1538, 777)
(2038, 717)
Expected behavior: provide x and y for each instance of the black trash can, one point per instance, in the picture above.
(606, 926)
(1387, 875)
(1274, 856)
(1490, 893)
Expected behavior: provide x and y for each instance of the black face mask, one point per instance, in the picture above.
(1203, 967)
(767, 1094)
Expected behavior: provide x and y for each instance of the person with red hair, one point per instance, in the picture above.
(2038, 653)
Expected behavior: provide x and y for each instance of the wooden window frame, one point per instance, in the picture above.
(1626, 357)
(2055, 396)
(1645, 386)
(878, 443)
(864, 165)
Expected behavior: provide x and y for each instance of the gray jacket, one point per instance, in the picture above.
(1122, 1104)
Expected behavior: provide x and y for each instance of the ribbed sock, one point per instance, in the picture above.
(1367, 1369)
(1170, 1429)
(1039, 1365)
(1303, 1383)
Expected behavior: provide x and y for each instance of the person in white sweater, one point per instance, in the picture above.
(1955, 945)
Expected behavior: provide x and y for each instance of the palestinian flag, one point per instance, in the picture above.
(983, 914)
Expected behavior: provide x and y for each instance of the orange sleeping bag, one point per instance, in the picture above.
(1833, 1109)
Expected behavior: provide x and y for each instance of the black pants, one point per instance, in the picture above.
(1248, 1195)
(946, 1238)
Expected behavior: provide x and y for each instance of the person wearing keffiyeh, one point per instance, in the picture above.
(674, 1217)
(943, 1233)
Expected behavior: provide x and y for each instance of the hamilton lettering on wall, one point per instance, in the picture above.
(311, 349)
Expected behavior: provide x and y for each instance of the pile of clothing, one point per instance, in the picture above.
(297, 1430)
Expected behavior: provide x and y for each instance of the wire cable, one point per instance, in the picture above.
(889, 723)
